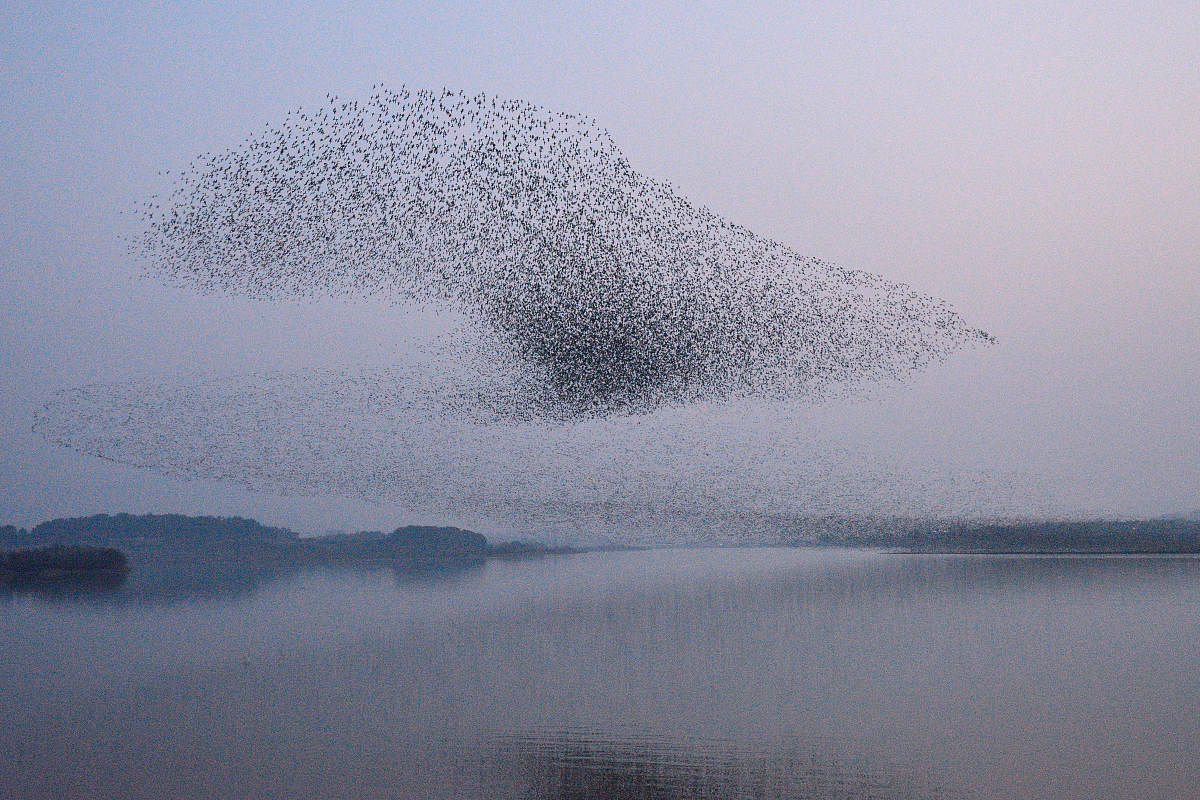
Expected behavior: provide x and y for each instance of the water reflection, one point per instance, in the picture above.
(448, 574)
(825, 577)
(72, 587)
(156, 579)
(654, 674)
(591, 764)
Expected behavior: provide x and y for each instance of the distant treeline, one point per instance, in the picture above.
(129, 531)
(1174, 535)
(1095, 536)
(185, 538)
(414, 544)
(160, 534)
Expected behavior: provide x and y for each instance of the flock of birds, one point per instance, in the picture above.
(734, 471)
(602, 291)
(594, 296)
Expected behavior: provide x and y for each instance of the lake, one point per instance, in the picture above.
(705, 673)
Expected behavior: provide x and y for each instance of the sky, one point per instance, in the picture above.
(1035, 165)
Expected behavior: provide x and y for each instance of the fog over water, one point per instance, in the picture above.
(1035, 167)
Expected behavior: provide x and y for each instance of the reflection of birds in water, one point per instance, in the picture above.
(599, 290)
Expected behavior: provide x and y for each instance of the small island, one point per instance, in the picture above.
(416, 546)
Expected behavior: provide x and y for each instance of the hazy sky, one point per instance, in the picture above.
(1035, 165)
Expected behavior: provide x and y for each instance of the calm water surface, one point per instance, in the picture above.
(678, 673)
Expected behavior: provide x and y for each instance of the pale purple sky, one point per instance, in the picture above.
(1034, 164)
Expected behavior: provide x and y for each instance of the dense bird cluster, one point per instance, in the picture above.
(601, 291)
(628, 359)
